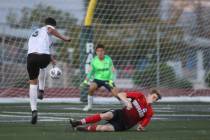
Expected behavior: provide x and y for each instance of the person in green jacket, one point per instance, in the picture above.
(102, 72)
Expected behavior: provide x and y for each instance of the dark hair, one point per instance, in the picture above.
(155, 91)
(50, 21)
(100, 46)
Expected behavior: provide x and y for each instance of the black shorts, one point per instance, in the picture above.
(36, 62)
(118, 121)
(105, 84)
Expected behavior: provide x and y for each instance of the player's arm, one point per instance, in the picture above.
(140, 128)
(144, 122)
(55, 33)
(123, 97)
(89, 75)
(113, 74)
(113, 70)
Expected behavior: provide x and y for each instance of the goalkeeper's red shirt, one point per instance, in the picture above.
(141, 112)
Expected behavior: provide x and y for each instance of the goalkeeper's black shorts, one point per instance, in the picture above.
(36, 62)
(105, 84)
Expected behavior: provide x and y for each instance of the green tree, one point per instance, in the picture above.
(37, 16)
(11, 18)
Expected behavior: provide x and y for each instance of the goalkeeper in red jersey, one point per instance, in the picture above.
(138, 110)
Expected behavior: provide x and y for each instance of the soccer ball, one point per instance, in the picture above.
(55, 73)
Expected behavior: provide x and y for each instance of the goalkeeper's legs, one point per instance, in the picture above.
(93, 87)
(114, 92)
(42, 77)
(113, 89)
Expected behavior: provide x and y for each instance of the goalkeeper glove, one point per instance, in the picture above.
(111, 83)
(84, 84)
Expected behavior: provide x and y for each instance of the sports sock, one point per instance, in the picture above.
(33, 96)
(91, 128)
(91, 119)
(90, 100)
(42, 73)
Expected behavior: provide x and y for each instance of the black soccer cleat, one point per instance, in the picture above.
(81, 128)
(41, 94)
(74, 123)
(34, 117)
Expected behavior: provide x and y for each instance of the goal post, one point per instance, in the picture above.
(86, 46)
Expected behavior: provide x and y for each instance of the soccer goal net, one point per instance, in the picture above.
(161, 44)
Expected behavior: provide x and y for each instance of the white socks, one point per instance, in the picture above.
(33, 97)
(33, 89)
(83, 121)
(90, 100)
(41, 78)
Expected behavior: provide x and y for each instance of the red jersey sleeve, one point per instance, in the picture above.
(134, 95)
(145, 121)
(147, 118)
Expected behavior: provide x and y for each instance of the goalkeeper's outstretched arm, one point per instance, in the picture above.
(113, 74)
(90, 73)
(88, 76)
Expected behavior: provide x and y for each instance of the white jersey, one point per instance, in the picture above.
(40, 41)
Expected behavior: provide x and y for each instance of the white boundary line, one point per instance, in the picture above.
(44, 117)
(104, 100)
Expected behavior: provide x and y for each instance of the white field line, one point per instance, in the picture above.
(104, 100)
(46, 113)
(182, 115)
(16, 118)
(41, 117)
(85, 114)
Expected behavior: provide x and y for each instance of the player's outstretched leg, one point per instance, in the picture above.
(90, 119)
(34, 117)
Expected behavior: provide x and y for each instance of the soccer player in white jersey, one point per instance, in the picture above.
(38, 59)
